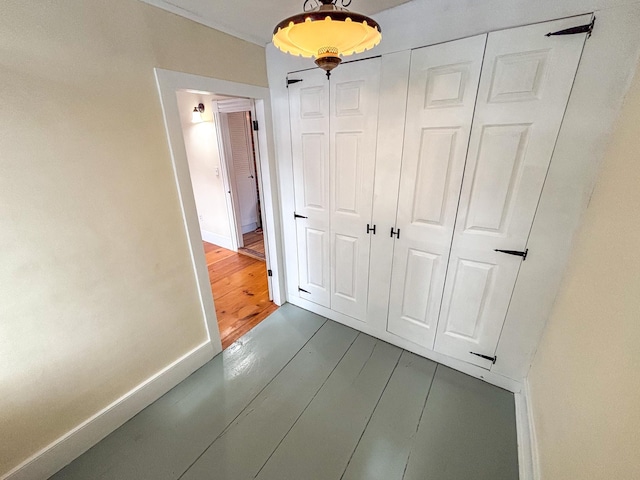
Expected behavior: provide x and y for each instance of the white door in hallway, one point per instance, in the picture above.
(524, 89)
(355, 89)
(442, 92)
(240, 142)
(309, 115)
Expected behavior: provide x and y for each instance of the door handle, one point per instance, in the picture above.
(395, 233)
(371, 229)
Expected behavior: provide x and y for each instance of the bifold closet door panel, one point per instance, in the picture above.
(355, 89)
(443, 85)
(524, 89)
(309, 111)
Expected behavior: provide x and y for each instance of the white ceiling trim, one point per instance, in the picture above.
(253, 21)
(183, 12)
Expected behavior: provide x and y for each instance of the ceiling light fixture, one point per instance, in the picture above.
(196, 115)
(327, 32)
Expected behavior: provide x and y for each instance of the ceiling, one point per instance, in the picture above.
(253, 20)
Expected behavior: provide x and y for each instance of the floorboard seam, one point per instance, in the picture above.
(307, 406)
(424, 407)
(373, 350)
(372, 412)
(252, 399)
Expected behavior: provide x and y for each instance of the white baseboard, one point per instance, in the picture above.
(224, 242)
(527, 442)
(74, 443)
(249, 228)
(464, 367)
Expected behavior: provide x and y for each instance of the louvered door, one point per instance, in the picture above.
(243, 168)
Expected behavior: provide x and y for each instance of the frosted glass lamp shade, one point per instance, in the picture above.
(327, 33)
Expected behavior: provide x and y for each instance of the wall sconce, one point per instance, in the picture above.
(196, 116)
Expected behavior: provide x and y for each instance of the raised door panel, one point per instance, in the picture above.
(525, 86)
(497, 179)
(443, 85)
(472, 284)
(313, 158)
(353, 135)
(309, 111)
(433, 176)
(314, 258)
(348, 171)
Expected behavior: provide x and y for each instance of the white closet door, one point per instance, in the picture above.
(525, 86)
(243, 169)
(355, 89)
(309, 113)
(442, 92)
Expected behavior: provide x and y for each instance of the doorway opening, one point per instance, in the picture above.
(236, 123)
(224, 165)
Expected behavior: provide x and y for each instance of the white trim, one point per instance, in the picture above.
(219, 240)
(74, 443)
(183, 12)
(168, 83)
(469, 369)
(233, 105)
(257, 141)
(527, 440)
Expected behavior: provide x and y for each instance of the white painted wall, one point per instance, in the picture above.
(201, 144)
(603, 78)
(585, 379)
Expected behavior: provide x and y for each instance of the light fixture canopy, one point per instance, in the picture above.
(196, 115)
(326, 32)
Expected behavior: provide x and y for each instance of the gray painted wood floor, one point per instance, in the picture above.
(301, 397)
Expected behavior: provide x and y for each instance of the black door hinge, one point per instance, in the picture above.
(303, 290)
(270, 273)
(371, 229)
(486, 357)
(291, 81)
(588, 29)
(296, 216)
(395, 233)
(255, 125)
(515, 252)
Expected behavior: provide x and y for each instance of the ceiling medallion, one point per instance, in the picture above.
(327, 32)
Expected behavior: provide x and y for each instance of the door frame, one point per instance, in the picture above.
(233, 203)
(261, 196)
(226, 156)
(168, 82)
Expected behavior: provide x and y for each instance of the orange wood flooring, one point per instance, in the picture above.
(240, 291)
(253, 245)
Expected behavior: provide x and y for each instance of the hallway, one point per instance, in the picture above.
(240, 291)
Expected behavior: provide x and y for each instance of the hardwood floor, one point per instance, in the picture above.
(240, 291)
(305, 398)
(253, 245)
